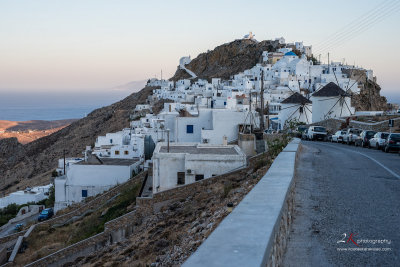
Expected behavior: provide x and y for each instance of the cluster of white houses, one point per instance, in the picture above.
(194, 136)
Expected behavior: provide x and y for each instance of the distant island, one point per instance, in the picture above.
(28, 131)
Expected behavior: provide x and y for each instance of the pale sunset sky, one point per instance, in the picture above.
(87, 45)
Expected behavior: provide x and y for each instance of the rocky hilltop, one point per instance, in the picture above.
(227, 59)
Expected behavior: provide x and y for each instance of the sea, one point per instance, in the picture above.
(17, 106)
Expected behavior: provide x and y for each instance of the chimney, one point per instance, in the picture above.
(225, 140)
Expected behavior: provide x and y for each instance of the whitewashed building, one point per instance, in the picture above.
(91, 177)
(34, 195)
(186, 163)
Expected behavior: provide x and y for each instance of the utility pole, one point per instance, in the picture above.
(329, 64)
(262, 101)
(168, 140)
(64, 159)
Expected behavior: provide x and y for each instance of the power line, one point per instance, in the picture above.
(355, 32)
(357, 21)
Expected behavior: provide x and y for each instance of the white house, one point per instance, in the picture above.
(185, 163)
(34, 194)
(91, 177)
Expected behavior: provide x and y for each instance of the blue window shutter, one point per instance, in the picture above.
(84, 193)
(189, 128)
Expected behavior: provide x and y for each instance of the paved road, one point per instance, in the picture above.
(9, 229)
(341, 190)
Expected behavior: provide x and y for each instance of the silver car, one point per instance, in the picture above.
(338, 136)
(378, 141)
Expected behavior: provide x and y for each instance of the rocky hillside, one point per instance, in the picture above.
(23, 162)
(369, 97)
(227, 59)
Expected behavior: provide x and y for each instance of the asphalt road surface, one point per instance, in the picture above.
(10, 228)
(344, 194)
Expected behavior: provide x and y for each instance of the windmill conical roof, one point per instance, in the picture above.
(296, 98)
(331, 89)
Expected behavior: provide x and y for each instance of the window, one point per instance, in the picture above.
(110, 141)
(181, 178)
(189, 128)
(199, 177)
(84, 193)
(126, 152)
(116, 152)
(224, 103)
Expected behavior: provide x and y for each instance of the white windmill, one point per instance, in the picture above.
(297, 108)
(331, 101)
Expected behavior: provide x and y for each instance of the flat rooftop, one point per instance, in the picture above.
(200, 150)
(108, 161)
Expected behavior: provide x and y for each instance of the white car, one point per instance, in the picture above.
(317, 133)
(351, 135)
(378, 141)
(338, 136)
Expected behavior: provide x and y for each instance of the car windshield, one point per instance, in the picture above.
(45, 212)
(319, 129)
(343, 132)
(384, 135)
(395, 137)
(369, 134)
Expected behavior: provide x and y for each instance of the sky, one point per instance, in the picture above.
(94, 45)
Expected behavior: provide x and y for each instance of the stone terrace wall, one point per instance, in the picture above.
(93, 243)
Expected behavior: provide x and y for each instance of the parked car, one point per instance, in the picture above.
(351, 135)
(338, 136)
(392, 142)
(18, 227)
(304, 134)
(46, 214)
(317, 133)
(378, 140)
(364, 138)
(299, 130)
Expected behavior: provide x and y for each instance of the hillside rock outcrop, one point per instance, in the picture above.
(227, 59)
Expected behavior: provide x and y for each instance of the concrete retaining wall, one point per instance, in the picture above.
(255, 233)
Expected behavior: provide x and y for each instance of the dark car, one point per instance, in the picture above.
(304, 135)
(392, 143)
(299, 130)
(364, 138)
(46, 214)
